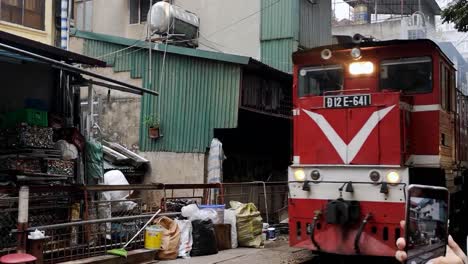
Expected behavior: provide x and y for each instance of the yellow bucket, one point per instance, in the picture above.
(153, 237)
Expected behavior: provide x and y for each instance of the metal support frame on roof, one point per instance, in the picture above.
(70, 68)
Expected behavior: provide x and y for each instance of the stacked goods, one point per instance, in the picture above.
(25, 136)
(21, 164)
(60, 167)
(35, 137)
(28, 116)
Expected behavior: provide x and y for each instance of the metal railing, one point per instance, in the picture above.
(83, 239)
(79, 222)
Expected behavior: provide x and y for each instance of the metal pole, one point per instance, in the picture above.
(68, 23)
(23, 207)
(96, 221)
(64, 24)
(401, 8)
(90, 110)
(376, 14)
(148, 32)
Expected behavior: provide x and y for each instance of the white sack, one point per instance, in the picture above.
(186, 239)
(230, 218)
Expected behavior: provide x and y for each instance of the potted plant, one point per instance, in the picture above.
(152, 122)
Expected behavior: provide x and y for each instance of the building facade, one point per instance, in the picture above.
(35, 20)
(202, 95)
(382, 21)
(267, 30)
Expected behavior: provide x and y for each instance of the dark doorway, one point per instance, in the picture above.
(258, 150)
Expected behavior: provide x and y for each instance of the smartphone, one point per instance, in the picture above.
(427, 214)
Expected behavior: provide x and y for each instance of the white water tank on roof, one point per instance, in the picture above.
(167, 18)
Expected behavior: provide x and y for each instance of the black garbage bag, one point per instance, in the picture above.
(204, 238)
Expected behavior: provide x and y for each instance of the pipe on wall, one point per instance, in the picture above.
(64, 24)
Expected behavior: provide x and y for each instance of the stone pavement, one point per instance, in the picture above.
(274, 252)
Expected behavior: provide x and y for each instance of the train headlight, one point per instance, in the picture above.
(299, 175)
(315, 175)
(374, 176)
(361, 67)
(393, 177)
(356, 53)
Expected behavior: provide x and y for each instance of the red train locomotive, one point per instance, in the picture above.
(369, 119)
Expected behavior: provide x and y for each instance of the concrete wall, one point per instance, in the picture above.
(119, 120)
(110, 18)
(119, 112)
(221, 28)
(169, 167)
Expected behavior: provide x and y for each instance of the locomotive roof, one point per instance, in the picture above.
(366, 44)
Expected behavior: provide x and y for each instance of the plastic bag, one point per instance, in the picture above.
(69, 151)
(205, 214)
(189, 210)
(170, 238)
(186, 239)
(116, 177)
(249, 224)
(230, 218)
(94, 162)
(204, 238)
(192, 212)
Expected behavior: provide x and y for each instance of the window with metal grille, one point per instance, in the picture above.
(139, 10)
(28, 13)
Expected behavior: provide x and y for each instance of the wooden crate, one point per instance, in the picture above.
(223, 236)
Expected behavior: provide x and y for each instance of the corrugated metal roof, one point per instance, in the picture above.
(279, 19)
(198, 93)
(125, 42)
(278, 53)
(47, 51)
(314, 24)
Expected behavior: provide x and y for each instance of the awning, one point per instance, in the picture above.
(47, 50)
(108, 82)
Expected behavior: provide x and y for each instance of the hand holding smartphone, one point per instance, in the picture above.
(427, 209)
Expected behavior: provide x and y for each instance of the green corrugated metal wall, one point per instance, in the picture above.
(197, 95)
(278, 53)
(287, 25)
(279, 19)
(279, 32)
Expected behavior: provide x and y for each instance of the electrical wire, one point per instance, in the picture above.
(137, 42)
(120, 50)
(244, 18)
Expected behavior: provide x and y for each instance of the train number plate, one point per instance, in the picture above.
(347, 101)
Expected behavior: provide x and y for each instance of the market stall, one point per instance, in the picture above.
(43, 137)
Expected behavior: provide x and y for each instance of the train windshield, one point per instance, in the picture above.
(410, 75)
(318, 80)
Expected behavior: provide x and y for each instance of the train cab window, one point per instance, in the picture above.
(409, 75)
(318, 80)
